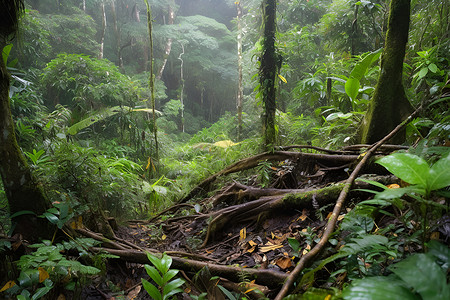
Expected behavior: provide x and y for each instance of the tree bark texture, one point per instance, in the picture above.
(389, 104)
(22, 190)
(268, 72)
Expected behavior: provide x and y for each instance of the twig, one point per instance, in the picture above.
(336, 211)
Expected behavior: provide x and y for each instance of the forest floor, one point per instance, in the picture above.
(247, 239)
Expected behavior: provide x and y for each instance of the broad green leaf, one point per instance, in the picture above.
(364, 243)
(5, 53)
(352, 88)
(151, 290)
(361, 67)
(423, 275)
(22, 212)
(375, 183)
(169, 275)
(390, 194)
(227, 293)
(172, 287)
(440, 252)
(102, 115)
(433, 68)
(154, 274)
(51, 217)
(294, 243)
(43, 290)
(408, 167)
(439, 176)
(378, 288)
(155, 261)
(423, 72)
(166, 262)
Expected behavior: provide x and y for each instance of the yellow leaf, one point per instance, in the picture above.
(164, 237)
(243, 234)
(78, 223)
(434, 235)
(270, 248)
(306, 250)
(8, 285)
(43, 274)
(249, 290)
(393, 186)
(225, 144)
(328, 297)
(282, 78)
(148, 164)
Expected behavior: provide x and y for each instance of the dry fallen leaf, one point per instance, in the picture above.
(269, 247)
(134, 293)
(284, 262)
(8, 285)
(243, 234)
(303, 216)
(306, 250)
(43, 274)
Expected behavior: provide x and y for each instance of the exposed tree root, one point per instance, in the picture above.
(251, 162)
(265, 277)
(270, 201)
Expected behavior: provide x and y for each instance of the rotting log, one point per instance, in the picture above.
(266, 277)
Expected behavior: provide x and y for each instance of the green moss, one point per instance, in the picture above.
(389, 105)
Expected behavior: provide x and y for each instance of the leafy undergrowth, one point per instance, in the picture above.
(391, 241)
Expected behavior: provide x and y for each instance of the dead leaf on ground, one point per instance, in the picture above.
(134, 292)
(284, 262)
(269, 247)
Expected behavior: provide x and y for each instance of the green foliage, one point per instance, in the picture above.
(75, 31)
(161, 274)
(86, 83)
(416, 171)
(87, 176)
(353, 83)
(95, 117)
(47, 267)
(406, 282)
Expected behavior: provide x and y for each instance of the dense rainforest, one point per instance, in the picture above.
(224, 149)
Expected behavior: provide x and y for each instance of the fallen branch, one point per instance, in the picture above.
(304, 261)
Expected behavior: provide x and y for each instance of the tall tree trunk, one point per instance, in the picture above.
(102, 38)
(268, 72)
(168, 47)
(22, 190)
(389, 105)
(182, 86)
(151, 78)
(116, 33)
(240, 92)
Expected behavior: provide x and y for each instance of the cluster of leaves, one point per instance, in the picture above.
(85, 83)
(47, 267)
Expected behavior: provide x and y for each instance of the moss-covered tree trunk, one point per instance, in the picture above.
(268, 72)
(22, 190)
(389, 105)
